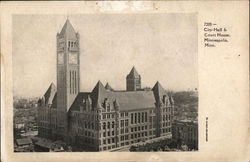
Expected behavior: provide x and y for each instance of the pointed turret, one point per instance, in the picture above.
(133, 80)
(97, 94)
(50, 94)
(108, 87)
(68, 30)
(133, 73)
(159, 91)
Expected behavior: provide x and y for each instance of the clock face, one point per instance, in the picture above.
(72, 58)
(60, 58)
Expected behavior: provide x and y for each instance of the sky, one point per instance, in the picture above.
(162, 47)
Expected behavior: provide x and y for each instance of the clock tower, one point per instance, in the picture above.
(68, 77)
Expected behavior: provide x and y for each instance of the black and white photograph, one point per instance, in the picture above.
(105, 82)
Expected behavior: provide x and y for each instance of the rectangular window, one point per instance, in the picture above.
(135, 118)
(70, 81)
(75, 83)
(113, 140)
(104, 141)
(142, 117)
(126, 114)
(126, 122)
(108, 141)
(113, 133)
(132, 129)
(132, 118)
(108, 133)
(132, 136)
(139, 117)
(122, 131)
(122, 123)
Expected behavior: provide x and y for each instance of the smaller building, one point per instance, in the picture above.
(24, 145)
(185, 132)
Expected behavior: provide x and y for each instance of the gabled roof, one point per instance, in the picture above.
(108, 87)
(68, 30)
(78, 100)
(133, 73)
(50, 94)
(159, 91)
(127, 100)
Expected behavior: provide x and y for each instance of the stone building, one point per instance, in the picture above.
(104, 118)
(185, 132)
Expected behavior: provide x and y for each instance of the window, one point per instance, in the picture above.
(146, 133)
(150, 119)
(108, 116)
(135, 117)
(122, 114)
(135, 128)
(126, 122)
(108, 125)
(132, 136)
(113, 133)
(126, 114)
(122, 138)
(104, 116)
(126, 130)
(104, 141)
(108, 133)
(113, 124)
(139, 117)
(122, 123)
(139, 128)
(146, 127)
(132, 129)
(113, 116)
(108, 141)
(142, 117)
(122, 131)
(113, 140)
(126, 137)
(104, 125)
(70, 81)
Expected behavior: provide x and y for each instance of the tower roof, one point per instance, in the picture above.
(108, 87)
(133, 73)
(50, 94)
(68, 30)
(97, 93)
(159, 91)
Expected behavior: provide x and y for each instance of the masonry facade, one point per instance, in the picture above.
(103, 119)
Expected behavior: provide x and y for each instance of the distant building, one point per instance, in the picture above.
(24, 145)
(104, 118)
(185, 132)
